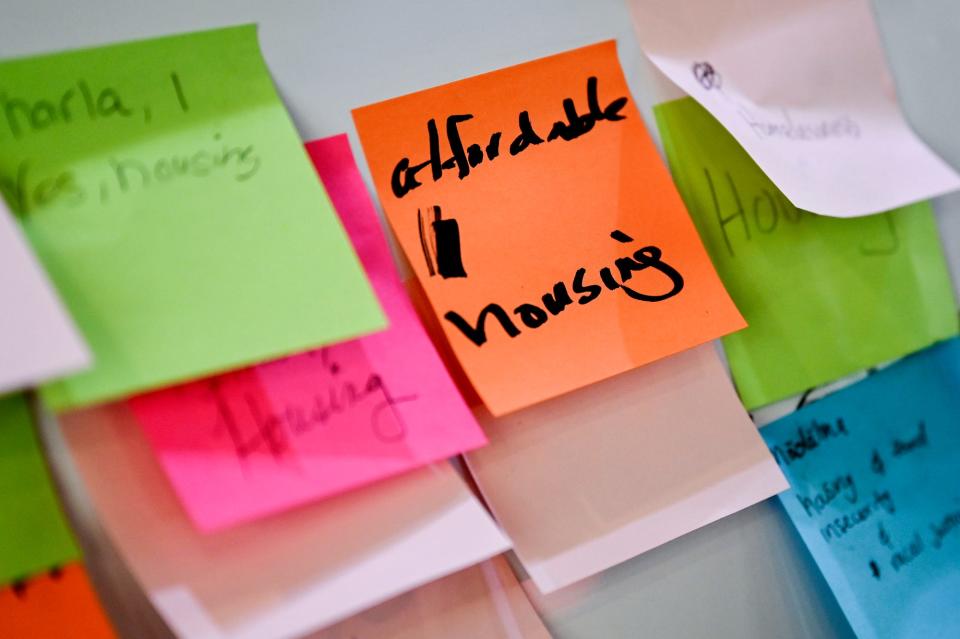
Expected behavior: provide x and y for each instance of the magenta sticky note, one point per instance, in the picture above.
(260, 440)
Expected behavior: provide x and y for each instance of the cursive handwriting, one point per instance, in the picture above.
(947, 524)
(780, 125)
(257, 429)
(463, 158)
(842, 524)
(908, 553)
(555, 302)
(808, 439)
(902, 447)
(829, 491)
(839, 127)
(78, 102)
(30, 189)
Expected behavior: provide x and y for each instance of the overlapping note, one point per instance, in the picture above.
(824, 297)
(57, 604)
(804, 87)
(44, 590)
(260, 440)
(166, 192)
(536, 213)
(482, 602)
(283, 576)
(38, 340)
(34, 535)
(594, 478)
(874, 494)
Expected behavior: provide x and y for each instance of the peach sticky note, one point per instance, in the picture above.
(594, 478)
(546, 231)
(53, 605)
(482, 602)
(260, 440)
(282, 576)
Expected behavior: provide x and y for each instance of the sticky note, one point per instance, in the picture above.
(874, 494)
(282, 576)
(53, 605)
(34, 534)
(805, 88)
(533, 207)
(166, 191)
(824, 297)
(38, 340)
(480, 602)
(591, 479)
(259, 440)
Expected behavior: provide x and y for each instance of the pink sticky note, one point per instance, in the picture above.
(263, 439)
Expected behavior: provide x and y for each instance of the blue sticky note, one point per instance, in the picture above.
(874, 471)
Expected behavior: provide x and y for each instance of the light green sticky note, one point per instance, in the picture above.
(34, 535)
(168, 194)
(823, 297)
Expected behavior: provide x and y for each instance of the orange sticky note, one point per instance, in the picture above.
(55, 605)
(547, 233)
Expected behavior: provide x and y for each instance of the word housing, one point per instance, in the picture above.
(534, 316)
(367, 404)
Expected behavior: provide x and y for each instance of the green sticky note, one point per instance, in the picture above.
(34, 535)
(823, 297)
(168, 194)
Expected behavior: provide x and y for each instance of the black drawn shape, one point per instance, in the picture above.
(707, 76)
(440, 243)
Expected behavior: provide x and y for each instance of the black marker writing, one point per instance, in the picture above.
(908, 553)
(20, 585)
(877, 464)
(919, 440)
(841, 525)
(947, 524)
(464, 158)
(440, 242)
(829, 490)
(808, 439)
(558, 299)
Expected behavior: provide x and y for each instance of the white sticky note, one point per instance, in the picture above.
(285, 575)
(38, 340)
(805, 89)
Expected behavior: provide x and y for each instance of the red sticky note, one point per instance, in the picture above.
(263, 439)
